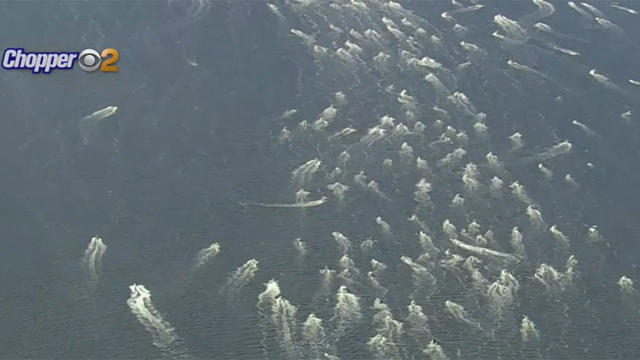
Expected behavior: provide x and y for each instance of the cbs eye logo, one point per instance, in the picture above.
(90, 60)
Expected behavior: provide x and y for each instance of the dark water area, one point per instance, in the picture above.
(200, 93)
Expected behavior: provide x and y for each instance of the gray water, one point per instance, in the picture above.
(199, 138)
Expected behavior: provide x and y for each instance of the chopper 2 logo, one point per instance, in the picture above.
(88, 60)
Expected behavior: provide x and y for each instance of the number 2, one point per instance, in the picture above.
(111, 56)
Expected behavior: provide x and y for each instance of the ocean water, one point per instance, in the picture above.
(429, 134)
